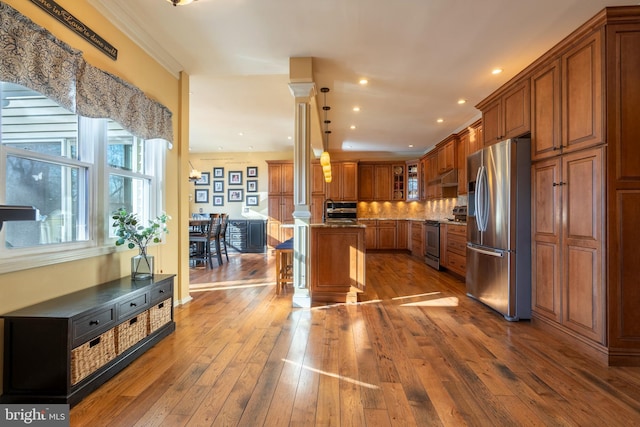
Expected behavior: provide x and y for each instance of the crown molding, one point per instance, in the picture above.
(121, 14)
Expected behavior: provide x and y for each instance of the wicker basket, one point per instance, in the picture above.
(92, 355)
(130, 332)
(159, 315)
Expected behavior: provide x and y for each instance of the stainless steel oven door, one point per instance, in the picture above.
(432, 244)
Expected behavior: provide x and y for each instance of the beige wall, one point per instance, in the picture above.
(205, 162)
(26, 287)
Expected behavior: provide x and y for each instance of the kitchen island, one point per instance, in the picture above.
(338, 266)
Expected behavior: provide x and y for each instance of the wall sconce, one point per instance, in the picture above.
(195, 174)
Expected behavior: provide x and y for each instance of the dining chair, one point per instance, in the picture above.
(214, 239)
(200, 240)
(222, 240)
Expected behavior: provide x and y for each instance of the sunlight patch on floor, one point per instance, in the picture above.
(221, 286)
(438, 302)
(428, 294)
(323, 307)
(330, 374)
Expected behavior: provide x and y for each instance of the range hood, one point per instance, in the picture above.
(447, 179)
(17, 213)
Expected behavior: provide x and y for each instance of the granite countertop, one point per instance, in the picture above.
(442, 221)
(338, 225)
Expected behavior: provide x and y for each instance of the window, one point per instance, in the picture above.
(69, 167)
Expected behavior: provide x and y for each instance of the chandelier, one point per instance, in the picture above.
(180, 2)
(195, 174)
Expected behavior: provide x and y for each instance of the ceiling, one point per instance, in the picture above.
(420, 57)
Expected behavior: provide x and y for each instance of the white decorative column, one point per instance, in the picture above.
(301, 188)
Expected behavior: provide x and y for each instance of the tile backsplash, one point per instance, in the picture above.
(440, 209)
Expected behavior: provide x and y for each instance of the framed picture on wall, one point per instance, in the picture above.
(252, 200)
(202, 196)
(252, 171)
(204, 179)
(252, 185)
(218, 186)
(235, 178)
(218, 200)
(235, 195)
(218, 172)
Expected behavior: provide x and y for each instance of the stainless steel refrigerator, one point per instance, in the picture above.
(499, 227)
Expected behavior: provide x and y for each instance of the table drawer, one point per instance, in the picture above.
(162, 292)
(88, 326)
(133, 305)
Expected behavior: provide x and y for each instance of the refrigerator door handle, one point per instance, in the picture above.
(485, 252)
(482, 199)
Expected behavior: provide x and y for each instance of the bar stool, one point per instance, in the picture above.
(284, 265)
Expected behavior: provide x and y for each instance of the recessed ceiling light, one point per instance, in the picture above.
(251, 147)
(363, 81)
(352, 127)
(462, 101)
(289, 138)
(410, 145)
(240, 134)
(440, 120)
(496, 71)
(356, 108)
(220, 148)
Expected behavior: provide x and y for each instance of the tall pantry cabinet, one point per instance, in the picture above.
(585, 104)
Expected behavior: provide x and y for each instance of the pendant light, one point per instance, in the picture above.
(325, 159)
(180, 2)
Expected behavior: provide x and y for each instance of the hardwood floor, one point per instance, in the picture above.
(417, 352)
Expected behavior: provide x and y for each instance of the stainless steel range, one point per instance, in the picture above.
(432, 243)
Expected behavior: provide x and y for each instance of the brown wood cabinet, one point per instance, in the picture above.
(456, 248)
(280, 202)
(344, 182)
(381, 181)
(506, 113)
(417, 247)
(414, 183)
(568, 227)
(446, 157)
(545, 111)
(402, 234)
(387, 234)
(337, 275)
(462, 148)
(585, 101)
(280, 177)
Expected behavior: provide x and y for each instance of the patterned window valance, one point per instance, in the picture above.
(31, 56)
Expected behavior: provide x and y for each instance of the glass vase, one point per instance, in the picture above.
(142, 266)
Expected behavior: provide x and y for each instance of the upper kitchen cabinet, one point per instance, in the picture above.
(567, 102)
(506, 113)
(545, 111)
(317, 179)
(380, 181)
(462, 151)
(447, 154)
(344, 182)
(414, 184)
(280, 177)
(582, 76)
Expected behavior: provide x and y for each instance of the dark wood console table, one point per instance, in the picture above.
(60, 350)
